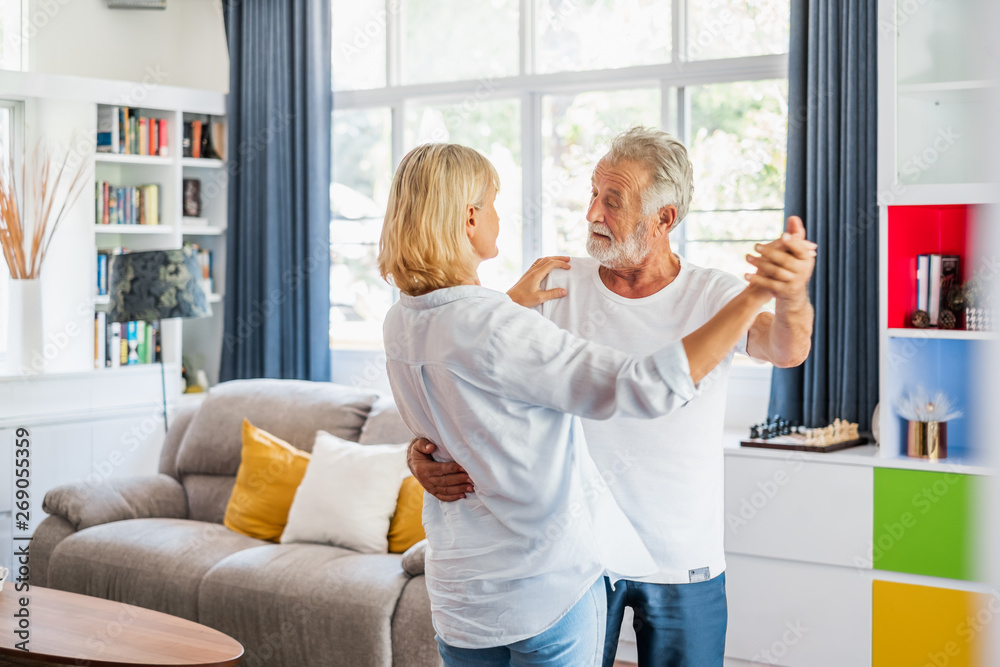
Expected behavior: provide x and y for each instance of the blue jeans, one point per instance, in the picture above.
(676, 625)
(576, 640)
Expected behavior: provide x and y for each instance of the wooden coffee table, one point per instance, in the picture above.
(71, 629)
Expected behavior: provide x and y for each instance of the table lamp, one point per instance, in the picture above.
(157, 285)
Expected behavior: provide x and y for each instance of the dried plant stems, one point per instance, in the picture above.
(45, 191)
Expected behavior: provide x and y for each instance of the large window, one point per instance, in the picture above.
(540, 86)
(10, 147)
(11, 44)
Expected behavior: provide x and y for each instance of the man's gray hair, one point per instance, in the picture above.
(668, 163)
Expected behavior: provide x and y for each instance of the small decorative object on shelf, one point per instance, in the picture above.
(979, 319)
(927, 428)
(979, 311)
(193, 373)
(779, 433)
(947, 320)
(920, 319)
(192, 198)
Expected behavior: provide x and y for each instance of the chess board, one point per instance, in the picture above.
(797, 442)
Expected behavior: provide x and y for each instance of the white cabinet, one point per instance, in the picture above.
(83, 427)
(798, 614)
(792, 508)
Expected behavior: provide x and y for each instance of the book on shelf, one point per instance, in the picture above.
(936, 276)
(107, 129)
(125, 343)
(105, 267)
(125, 130)
(128, 205)
(204, 139)
(218, 137)
(102, 273)
(923, 278)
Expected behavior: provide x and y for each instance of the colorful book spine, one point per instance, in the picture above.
(132, 340)
(102, 274)
(107, 130)
(196, 128)
(140, 342)
(164, 151)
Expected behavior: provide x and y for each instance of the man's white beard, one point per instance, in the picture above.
(619, 254)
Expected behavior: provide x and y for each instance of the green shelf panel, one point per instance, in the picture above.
(925, 523)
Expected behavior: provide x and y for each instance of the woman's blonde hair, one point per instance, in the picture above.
(424, 245)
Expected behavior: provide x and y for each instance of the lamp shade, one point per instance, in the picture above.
(157, 284)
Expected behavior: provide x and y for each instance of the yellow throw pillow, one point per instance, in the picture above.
(407, 527)
(269, 474)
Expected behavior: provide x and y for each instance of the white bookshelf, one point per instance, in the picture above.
(200, 338)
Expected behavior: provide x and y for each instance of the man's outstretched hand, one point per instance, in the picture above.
(446, 481)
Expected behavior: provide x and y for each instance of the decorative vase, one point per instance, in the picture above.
(25, 355)
(927, 440)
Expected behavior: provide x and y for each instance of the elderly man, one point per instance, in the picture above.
(633, 293)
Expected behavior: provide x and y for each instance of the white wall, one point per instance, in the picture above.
(183, 45)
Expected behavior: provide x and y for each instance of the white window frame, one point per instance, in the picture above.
(676, 76)
(18, 10)
(16, 132)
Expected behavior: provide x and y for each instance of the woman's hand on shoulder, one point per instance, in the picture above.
(528, 290)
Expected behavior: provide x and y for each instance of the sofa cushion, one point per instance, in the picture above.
(413, 559)
(289, 603)
(208, 496)
(270, 472)
(153, 563)
(406, 527)
(384, 424)
(348, 495)
(84, 504)
(172, 443)
(293, 410)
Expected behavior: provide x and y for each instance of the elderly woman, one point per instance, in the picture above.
(515, 570)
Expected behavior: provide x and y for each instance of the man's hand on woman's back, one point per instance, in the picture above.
(446, 481)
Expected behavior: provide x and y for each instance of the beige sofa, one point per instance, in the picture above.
(158, 541)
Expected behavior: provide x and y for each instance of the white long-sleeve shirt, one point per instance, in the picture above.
(491, 384)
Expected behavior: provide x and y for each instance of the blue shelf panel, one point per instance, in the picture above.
(937, 365)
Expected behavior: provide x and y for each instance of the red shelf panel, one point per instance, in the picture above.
(918, 230)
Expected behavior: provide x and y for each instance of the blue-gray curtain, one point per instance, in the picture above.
(277, 303)
(832, 119)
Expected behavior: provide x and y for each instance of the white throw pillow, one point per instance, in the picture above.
(348, 495)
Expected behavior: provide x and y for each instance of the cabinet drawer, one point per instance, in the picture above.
(792, 509)
(918, 625)
(797, 614)
(925, 523)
